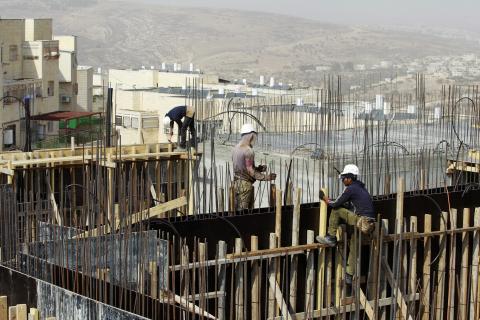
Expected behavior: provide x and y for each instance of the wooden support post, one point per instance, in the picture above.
(463, 301)
(272, 195)
(153, 279)
(21, 312)
(452, 269)
(442, 248)
(202, 283)
(34, 314)
(3, 308)
(272, 268)
(427, 259)
(10, 169)
(222, 278)
(474, 311)
(278, 216)
(412, 280)
(295, 241)
(339, 272)
(310, 276)
(321, 253)
(12, 313)
(383, 278)
(239, 304)
(256, 315)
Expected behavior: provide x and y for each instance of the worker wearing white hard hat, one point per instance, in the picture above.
(354, 208)
(245, 170)
(175, 115)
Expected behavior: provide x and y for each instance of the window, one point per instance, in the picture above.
(118, 120)
(127, 122)
(150, 123)
(49, 126)
(135, 123)
(51, 86)
(13, 52)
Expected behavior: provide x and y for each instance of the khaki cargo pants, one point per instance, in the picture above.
(344, 216)
(243, 194)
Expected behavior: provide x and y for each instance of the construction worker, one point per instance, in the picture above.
(175, 115)
(360, 213)
(245, 171)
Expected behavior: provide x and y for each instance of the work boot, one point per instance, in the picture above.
(328, 240)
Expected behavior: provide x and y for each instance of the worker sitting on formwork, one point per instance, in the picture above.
(360, 213)
(245, 171)
(175, 115)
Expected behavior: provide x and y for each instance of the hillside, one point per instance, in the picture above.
(232, 43)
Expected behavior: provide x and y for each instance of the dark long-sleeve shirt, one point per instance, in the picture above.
(359, 197)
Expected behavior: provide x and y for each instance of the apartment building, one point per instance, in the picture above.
(85, 88)
(38, 70)
(68, 64)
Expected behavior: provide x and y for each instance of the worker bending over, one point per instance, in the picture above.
(175, 115)
(360, 213)
(245, 171)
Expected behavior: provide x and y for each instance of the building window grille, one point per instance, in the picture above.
(118, 120)
(150, 123)
(51, 86)
(127, 122)
(135, 123)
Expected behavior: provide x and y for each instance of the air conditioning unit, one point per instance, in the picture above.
(65, 99)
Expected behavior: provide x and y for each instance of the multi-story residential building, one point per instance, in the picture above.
(30, 76)
(85, 88)
(68, 72)
(39, 71)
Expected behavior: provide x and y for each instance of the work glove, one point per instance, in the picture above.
(272, 176)
(262, 168)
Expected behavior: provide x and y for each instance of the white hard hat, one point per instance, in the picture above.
(350, 169)
(166, 121)
(247, 128)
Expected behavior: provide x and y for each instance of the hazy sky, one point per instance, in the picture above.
(461, 14)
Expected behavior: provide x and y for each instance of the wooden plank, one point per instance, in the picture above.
(239, 283)
(34, 314)
(366, 305)
(21, 312)
(463, 302)
(3, 308)
(255, 292)
(153, 271)
(441, 269)
(272, 268)
(278, 216)
(310, 276)
(383, 279)
(221, 306)
(474, 312)
(400, 300)
(8, 172)
(452, 268)
(427, 260)
(12, 313)
(412, 276)
(279, 297)
(334, 311)
(137, 217)
(295, 241)
(203, 285)
(321, 253)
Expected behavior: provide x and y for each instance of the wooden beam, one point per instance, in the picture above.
(3, 308)
(137, 217)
